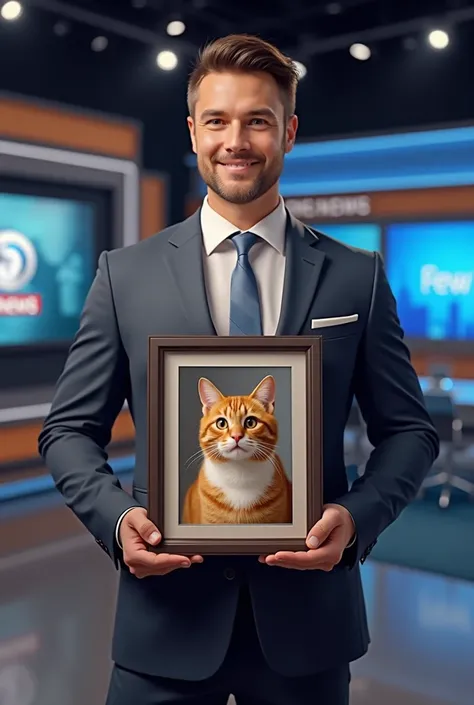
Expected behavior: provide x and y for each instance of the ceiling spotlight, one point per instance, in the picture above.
(11, 10)
(302, 70)
(438, 39)
(99, 43)
(61, 28)
(167, 60)
(175, 28)
(334, 8)
(361, 52)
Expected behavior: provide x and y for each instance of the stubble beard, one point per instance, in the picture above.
(244, 192)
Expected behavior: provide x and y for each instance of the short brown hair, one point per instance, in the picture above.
(248, 54)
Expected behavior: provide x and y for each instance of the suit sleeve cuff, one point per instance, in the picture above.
(117, 527)
(354, 536)
(353, 540)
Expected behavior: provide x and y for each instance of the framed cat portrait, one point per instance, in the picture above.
(234, 442)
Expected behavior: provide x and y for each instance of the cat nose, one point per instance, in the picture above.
(237, 437)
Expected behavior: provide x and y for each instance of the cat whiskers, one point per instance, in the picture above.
(212, 451)
(264, 451)
(265, 455)
(263, 445)
(194, 457)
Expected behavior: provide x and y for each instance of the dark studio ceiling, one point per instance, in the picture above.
(102, 55)
(112, 45)
(304, 27)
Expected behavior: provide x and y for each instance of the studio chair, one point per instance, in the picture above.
(448, 424)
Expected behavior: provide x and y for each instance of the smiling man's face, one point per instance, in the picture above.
(240, 135)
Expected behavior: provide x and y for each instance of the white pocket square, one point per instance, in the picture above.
(337, 321)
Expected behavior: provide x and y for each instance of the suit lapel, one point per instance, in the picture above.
(303, 269)
(184, 261)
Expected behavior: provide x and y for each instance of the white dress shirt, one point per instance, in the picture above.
(267, 258)
(219, 259)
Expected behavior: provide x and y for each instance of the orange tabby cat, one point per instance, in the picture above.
(241, 479)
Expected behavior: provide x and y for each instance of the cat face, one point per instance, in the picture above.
(238, 427)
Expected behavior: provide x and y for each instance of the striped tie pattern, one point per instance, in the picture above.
(245, 315)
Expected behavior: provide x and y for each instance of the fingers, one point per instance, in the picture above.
(154, 563)
(321, 531)
(145, 528)
(326, 542)
(322, 559)
(146, 563)
(136, 525)
(137, 533)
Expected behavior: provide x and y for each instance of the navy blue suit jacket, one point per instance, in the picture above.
(179, 625)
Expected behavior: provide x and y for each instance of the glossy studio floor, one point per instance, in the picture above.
(57, 593)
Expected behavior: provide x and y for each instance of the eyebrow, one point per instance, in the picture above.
(259, 112)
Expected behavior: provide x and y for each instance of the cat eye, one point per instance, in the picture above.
(250, 422)
(221, 423)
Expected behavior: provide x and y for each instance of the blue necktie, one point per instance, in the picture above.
(245, 316)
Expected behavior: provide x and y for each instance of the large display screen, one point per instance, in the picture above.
(366, 236)
(48, 258)
(430, 267)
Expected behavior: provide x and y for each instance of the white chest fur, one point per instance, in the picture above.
(243, 483)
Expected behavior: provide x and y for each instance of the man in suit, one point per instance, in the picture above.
(279, 629)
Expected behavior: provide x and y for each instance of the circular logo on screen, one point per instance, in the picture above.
(18, 261)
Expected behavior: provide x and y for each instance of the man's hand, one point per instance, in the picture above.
(326, 542)
(136, 531)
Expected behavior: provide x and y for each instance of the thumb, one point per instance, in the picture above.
(323, 528)
(145, 528)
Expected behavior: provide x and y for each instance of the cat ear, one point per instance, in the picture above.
(208, 394)
(264, 392)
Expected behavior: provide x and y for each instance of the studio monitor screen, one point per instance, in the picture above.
(49, 246)
(430, 266)
(366, 236)
(51, 235)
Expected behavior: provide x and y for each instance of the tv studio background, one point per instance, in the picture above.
(95, 155)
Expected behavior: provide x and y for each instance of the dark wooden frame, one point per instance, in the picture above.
(159, 347)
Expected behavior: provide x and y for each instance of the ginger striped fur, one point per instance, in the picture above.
(241, 479)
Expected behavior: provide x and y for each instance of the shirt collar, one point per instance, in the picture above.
(216, 229)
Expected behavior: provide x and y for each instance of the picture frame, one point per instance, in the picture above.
(226, 477)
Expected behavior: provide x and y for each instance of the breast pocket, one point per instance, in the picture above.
(335, 327)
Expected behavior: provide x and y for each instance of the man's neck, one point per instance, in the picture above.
(245, 216)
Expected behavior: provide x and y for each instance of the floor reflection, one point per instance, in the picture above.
(422, 629)
(56, 611)
(57, 606)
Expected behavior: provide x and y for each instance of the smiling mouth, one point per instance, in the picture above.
(238, 166)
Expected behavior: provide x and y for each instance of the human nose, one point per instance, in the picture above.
(236, 138)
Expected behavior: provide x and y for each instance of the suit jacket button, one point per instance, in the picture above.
(229, 573)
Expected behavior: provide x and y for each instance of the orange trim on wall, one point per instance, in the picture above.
(38, 123)
(153, 205)
(423, 202)
(19, 443)
(462, 367)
